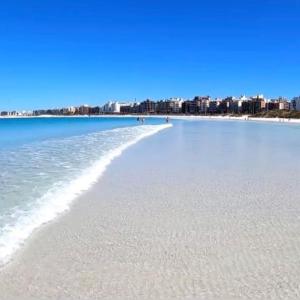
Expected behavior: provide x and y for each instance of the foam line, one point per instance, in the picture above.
(53, 203)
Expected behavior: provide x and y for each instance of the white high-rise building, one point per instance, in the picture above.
(108, 107)
(176, 104)
(113, 107)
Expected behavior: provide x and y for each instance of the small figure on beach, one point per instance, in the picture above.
(167, 119)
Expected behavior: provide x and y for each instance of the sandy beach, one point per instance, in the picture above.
(189, 213)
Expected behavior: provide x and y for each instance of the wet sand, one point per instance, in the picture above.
(190, 213)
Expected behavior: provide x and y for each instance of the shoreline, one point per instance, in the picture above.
(16, 235)
(175, 117)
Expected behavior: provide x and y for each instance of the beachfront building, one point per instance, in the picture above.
(147, 107)
(8, 113)
(278, 104)
(52, 112)
(213, 107)
(114, 107)
(202, 103)
(295, 103)
(189, 107)
(173, 105)
(227, 105)
(111, 107)
(84, 110)
(198, 105)
(130, 108)
(96, 110)
(163, 107)
(126, 109)
(238, 107)
(39, 112)
(69, 110)
(254, 105)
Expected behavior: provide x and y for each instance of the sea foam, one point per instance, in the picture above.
(58, 198)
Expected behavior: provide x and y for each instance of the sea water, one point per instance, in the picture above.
(46, 162)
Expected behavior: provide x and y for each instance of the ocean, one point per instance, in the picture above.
(47, 162)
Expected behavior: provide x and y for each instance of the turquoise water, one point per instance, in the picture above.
(46, 162)
(17, 131)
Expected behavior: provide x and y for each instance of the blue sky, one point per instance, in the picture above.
(60, 53)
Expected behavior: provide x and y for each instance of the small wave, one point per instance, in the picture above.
(58, 199)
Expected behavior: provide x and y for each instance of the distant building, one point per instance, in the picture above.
(189, 107)
(295, 104)
(163, 107)
(213, 107)
(107, 107)
(111, 107)
(278, 104)
(173, 105)
(256, 104)
(199, 105)
(225, 105)
(239, 104)
(148, 107)
(243, 98)
(202, 103)
(69, 110)
(176, 105)
(96, 110)
(54, 112)
(114, 107)
(126, 109)
(84, 110)
(130, 108)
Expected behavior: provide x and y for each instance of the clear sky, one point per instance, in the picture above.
(60, 53)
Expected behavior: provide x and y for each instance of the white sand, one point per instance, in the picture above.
(229, 118)
(182, 215)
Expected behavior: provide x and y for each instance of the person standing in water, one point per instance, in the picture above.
(167, 119)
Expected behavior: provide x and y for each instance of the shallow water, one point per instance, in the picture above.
(46, 163)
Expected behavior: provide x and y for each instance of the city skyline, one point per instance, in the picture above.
(197, 105)
(64, 53)
(135, 100)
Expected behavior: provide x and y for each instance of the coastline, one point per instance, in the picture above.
(159, 227)
(175, 117)
(55, 202)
